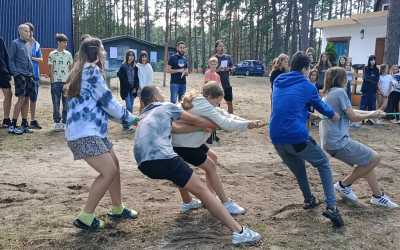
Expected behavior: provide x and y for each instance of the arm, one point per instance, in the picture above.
(195, 120)
(51, 76)
(321, 106)
(38, 57)
(107, 102)
(356, 115)
(173, 71)
(13, 68)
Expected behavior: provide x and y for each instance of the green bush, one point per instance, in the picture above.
(330, 50)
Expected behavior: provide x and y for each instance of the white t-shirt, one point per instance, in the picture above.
(145, 74)
(385, 83)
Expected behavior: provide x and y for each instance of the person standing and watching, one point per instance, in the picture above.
(5, 86)
(60, 64)
(22, 69)
(224, 67)
(36, 57)
(178, 68)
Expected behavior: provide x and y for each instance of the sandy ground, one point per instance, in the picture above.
(42, 190)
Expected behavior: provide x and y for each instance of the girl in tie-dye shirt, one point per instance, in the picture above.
(90, 104)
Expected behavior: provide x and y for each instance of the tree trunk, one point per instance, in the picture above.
(275, 30)
(166, 41)
(295, 30)
(305, 20)
(190, 37)
(287, 28)
(392, 42)
(203, 36)
(146, 21)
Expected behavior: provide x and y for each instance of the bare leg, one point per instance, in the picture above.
(115, 187)
(186, 197)
(373, 183)
(104, 164)
(213, 179)
(25, 108)
(197, 187)
(230, 107)
(32, 107)
(7, 102)
(361, 171)
(18, 107)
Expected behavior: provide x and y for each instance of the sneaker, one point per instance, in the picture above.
(247, 237)
(58, 127)
(96, 225)
(335, 217)
(233, 208)
(6, 123)
(355, 125)
(379, 122)
(26, 129)
(395, 121)
(15, 130)
(346, 192)
(194, 204)
(35, 125)
(126, 214)
(313, 203)
(370, 122)
(383, 201)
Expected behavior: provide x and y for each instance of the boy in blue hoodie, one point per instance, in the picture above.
(292, 97)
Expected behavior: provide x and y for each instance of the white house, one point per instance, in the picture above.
(357, 36)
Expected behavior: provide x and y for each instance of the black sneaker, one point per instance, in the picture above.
(15, 130)
(210, 140)
(313, 203)
(35, 125)
(335, 217)
(25, 129)
(6, 123)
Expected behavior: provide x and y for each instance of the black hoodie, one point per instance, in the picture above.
(4, 68)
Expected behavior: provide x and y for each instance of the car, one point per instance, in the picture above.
(249, 67)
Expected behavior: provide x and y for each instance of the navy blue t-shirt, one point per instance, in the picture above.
(224, 61)
(178, 62)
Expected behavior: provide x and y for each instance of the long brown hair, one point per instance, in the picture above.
(321, 64)
(211, 89)
(90, 51)
(129, 52)
(334, 77)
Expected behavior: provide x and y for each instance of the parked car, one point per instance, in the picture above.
(249, 67)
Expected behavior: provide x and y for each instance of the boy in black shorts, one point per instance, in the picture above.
(156, 158)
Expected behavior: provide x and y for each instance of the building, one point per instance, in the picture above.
(48, 16)
(116, 48)
(358, 36)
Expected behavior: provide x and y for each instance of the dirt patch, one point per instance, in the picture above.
(43, 189)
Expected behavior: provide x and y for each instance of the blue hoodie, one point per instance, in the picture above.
(292, 97)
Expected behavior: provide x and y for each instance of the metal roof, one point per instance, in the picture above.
(147, 43)
(354, 19)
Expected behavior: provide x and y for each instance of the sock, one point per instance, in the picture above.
(378, 196)
(24, 122)
(241, 231)
(86, 218)
(14, 122)
(343, 186)
(117, 209)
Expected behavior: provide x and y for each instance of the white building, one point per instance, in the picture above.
(358, 37)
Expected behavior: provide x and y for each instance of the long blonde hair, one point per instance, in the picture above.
(277, 62)
(211, 89)
(91, 50)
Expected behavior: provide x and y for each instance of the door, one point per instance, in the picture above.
(379, 50)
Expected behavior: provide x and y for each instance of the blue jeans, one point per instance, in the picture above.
(129, 101)
(368, 102)
(295, 155)
(177, 91)
(348, 89)
(57, 95)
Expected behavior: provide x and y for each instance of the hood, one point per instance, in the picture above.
(288, 79)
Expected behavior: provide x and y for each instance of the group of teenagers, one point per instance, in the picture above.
(294, 97)
(21, 62)
(169, 136)
(380, 87)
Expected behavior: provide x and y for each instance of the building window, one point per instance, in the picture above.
(385, 6)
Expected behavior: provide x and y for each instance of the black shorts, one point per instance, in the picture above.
(24, 85)
(5, 82)
(228, 95)
(194, 156)
(175, 170)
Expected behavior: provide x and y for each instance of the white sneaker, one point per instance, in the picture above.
(233, 208)
(379, 122)
(62, 126)
(247, 237)
(383, 201)
(355, 125)
(346, 192)
(194, 204)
